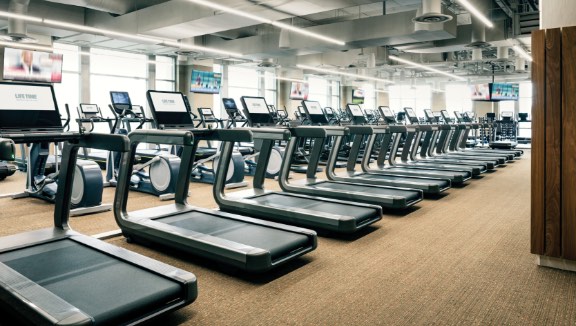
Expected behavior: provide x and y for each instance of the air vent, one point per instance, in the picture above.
(268, 63)
(431, 13)
(479, 45)
(187, 53)
(20, 38)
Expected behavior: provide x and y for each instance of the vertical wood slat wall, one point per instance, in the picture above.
(553, 202)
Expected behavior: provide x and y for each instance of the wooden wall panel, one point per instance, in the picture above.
(569, 143)
(537, 236)
(553, 142)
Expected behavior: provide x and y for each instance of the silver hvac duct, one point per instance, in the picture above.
(431, 12)
(520, 65)
(477, 54)
(17, 31)
(117, 7)
(478, 39)
(502, 53)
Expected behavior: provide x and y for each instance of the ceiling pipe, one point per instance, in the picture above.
(502, 52)
(117, 7)
(17, 29)
(478, 39)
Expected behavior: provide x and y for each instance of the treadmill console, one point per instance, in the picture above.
(387, 114)
(446, 117)
(411, 114)
(430, 117)
(256, 111)
(459, 116)
(121, 102)
(356, 114)
(314, 112)
(169, 109)
(507, 115)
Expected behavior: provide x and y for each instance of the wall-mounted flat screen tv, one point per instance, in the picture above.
(299, 91)
(480, 92)
(206, 82)
(504, 92)
(357, 96)
(36, 66)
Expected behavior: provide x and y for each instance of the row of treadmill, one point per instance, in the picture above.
(57, 276)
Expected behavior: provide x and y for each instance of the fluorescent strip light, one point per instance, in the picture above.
(26, 46)
(381, 91)
(267, 21)
(344, 74)
(408, 62)
(520, 51)
(476, 13)
(286, 79)
(100, 31)
(6, 14)
(307, 33)
(438, 90)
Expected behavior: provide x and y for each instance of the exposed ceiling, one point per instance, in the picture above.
(371, 29)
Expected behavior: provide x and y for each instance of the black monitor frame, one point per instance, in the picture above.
(388, 118)
(170, 119)
(257, 119)
(430, 116)
(412, 116)
(319, 119)
(459, 116)
(523, 116)
(446, 116)
(120, 108)
(31, 120)
(89, 114)
(356, 119)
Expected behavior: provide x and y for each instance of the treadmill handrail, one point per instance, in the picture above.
(117, 143)
(168, 137)
(319, 132)
(271, 134)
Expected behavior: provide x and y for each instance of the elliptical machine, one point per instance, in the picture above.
(157, 176)
(87, 185)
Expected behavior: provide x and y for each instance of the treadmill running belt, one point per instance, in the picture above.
(99, 285)
(342, 186)
(275, 199)
(439, 182)
(278, 242)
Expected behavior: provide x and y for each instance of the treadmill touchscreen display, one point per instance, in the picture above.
(445, 115)
(167, 102)
(229, 104)
(410, 113)
(386, 111)
(28, 106)
(313, 108)
(169, 108)
(356, 110)
(206, 111)
(120, 98)
(89, 108)
(256, 105)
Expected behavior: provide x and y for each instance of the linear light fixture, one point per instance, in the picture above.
(267, 21)
(414, 64)
(26, 46)
(330, 71)
(381, 91)
(100, 31)
(520, 51)
(285, 79)
(474, 11)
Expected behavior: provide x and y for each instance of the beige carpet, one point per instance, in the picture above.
(461, 259)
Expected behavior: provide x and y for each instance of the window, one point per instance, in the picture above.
(217, 98)
(242, 82)
(369, 97)
(335, 95)
(68, 92)
(165, 73)
(458, 98)
(525, 100)
(318, 90)
(416, 97)
(117, 71)
(270, 88)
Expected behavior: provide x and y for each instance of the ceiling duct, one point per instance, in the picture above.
(431, 13)
(17, 27)
(268, 63)
(520, 65)
(478, 35)
(117, 7)
(502, 53)
(477, 54)
(187, 52)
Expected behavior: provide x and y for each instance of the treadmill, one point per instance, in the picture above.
(437, 138)
(412, 145)
(308, 211)
(238, 241)
(56, 276)
(89, 115)
(361, 133)
(389, 143)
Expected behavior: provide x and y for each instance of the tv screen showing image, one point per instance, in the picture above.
(480, 92)
(36, 66)
(358, 96)
(206, 82)
(505, 92)
(299, 91)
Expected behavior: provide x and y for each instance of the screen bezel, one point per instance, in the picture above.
(201, 90)
(319, 118)
(356, 119)
(51, 118)
(182, 119)
(256, 118)
(82, 105)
